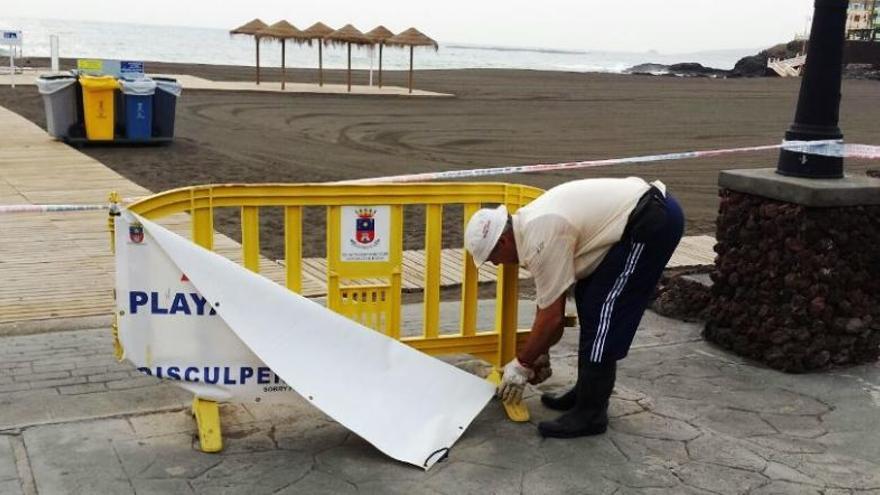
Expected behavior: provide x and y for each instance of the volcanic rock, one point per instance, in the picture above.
(794, 287)
(688, 69)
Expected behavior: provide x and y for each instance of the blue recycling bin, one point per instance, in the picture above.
(138, 103)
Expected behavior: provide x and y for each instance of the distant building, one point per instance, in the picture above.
(863, 20)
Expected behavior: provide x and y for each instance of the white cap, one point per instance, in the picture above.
(483, 231)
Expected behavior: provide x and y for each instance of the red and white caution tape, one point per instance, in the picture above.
(824, 148)
(50, 208)
(61, 208)
(835, 148)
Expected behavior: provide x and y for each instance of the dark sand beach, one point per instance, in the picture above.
(498, 117)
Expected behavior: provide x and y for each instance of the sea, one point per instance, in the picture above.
(81, 39)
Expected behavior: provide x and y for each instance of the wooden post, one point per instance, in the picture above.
(349, 67)
(283, 72)
(381, 44)
(410, 68)
(320, 62)
(257, 39)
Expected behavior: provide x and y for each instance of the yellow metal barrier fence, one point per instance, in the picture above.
(376, 304)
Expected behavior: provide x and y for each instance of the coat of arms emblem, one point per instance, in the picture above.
(365, 229)
(136, 232)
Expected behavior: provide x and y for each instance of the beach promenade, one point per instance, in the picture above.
(58, 266)
(28, 78)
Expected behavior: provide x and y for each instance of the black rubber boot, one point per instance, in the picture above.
(562, 402)
(589, 416)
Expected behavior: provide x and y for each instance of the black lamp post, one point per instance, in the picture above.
(818, 105)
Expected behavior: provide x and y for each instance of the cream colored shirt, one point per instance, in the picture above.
(562, 236)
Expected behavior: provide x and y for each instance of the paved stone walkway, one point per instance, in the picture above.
(687, 418)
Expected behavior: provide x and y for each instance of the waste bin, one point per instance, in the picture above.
(138, 96)
(59, 100)
(164, 106)
(98, 106)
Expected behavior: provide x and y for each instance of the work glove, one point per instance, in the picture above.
(513, 381)
(542, 369)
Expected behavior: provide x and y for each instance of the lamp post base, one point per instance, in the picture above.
(797, 278)
(795, 164)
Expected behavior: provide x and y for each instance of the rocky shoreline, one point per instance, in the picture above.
(687, 69)
(751, 66)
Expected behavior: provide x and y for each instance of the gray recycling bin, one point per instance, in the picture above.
(164, 106)
(59, 100)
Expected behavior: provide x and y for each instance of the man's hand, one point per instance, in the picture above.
(513, 382)
(542, 369)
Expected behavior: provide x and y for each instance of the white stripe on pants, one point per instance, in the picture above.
(608, 307)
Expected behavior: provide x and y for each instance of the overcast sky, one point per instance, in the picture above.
(669, 26)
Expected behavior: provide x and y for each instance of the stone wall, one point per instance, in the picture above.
(861, 52)
(794, 287)
(683, 297)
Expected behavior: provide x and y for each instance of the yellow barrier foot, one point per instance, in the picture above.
(207, 415)
(515, 412)
(118, 351)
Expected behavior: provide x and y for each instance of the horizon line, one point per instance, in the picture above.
(449, 44)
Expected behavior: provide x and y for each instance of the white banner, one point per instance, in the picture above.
(192, 316)
(169, 330)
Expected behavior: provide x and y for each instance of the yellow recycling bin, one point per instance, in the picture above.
(98, 102)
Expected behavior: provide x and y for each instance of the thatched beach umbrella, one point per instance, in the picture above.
(348, 35)
(283, 31)
(379, 35)
(318, 31)
(411, 38)
(251, 29)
